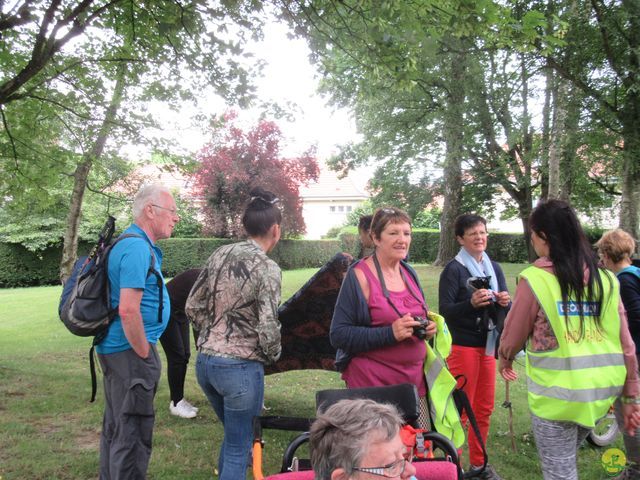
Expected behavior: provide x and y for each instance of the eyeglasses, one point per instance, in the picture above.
(476, 234)
(392, 470)
(172, 210)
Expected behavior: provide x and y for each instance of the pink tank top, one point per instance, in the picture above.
(398, 363)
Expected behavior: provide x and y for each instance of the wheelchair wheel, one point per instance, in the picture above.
(605, 432)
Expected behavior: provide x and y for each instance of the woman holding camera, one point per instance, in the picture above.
(474, 301)
(379, 308)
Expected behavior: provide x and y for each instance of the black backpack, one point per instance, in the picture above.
(85, 304)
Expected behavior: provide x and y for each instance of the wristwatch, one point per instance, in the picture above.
(630, 400)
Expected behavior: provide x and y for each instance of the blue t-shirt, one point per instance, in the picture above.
(129, 263)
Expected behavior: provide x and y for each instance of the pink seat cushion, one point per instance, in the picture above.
(436, 470)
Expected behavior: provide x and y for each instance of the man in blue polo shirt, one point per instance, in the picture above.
(128, 355)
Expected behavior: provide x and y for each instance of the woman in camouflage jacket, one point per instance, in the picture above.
(234, 306)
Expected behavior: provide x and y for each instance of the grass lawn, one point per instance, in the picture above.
(49, 430)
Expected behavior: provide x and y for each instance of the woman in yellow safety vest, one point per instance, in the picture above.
(580, 356)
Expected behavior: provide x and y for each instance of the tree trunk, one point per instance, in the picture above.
(630, 203)
(546, 133)
(569, 143)
(630, 119)
(454, 141)
(559, 95)
(70, 244)
(524, 218)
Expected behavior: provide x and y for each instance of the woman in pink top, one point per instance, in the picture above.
(374, 326)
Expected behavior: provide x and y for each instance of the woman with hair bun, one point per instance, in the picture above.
(580, 356)
(234, 306)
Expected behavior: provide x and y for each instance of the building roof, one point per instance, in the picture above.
(330, 186)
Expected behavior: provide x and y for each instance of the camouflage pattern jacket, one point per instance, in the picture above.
(234, 304)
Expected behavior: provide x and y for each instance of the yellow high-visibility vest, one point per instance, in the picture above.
(579, 380)
(441, 384)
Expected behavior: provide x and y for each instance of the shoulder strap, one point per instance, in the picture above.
(385, 291)
(631, 270)
(152, 270)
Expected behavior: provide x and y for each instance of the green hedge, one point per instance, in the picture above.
(290, 254)
(424, 245)
(180, 254)
(503, 247)
(20, 267)
(507, 248)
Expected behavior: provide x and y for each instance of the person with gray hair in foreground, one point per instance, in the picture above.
(359, 439)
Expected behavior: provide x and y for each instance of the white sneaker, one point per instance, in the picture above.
(181, 409)
(186, 402)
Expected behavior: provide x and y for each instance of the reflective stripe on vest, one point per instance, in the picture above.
(580, 379)
(440, 385)
(583, 395)
(575, 363)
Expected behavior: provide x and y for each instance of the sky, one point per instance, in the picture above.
(288, 77)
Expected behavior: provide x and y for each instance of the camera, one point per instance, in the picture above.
(421, 330)
(479, 282)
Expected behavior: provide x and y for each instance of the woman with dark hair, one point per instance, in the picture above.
(234, 307)
(374, 319)
(474, 300)
(580, 356)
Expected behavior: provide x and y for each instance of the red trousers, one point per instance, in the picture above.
(479, 370)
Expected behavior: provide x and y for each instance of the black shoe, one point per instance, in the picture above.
(488, 473)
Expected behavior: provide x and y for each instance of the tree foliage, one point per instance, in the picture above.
(237, 160)
(605, 68)
(453, 86)
(78, 80)
(60, 61)
(432, 93)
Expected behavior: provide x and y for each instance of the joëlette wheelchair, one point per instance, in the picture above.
(444, 464)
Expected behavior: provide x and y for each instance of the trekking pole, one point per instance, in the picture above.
(507, 404)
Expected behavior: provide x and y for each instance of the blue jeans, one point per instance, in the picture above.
(235, 389)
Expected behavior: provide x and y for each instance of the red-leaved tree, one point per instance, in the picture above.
(235, 161)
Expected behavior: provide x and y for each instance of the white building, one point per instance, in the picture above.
(327, 202)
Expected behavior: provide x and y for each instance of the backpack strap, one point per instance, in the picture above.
(152, 270)
(98, 338)
(92, 364)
